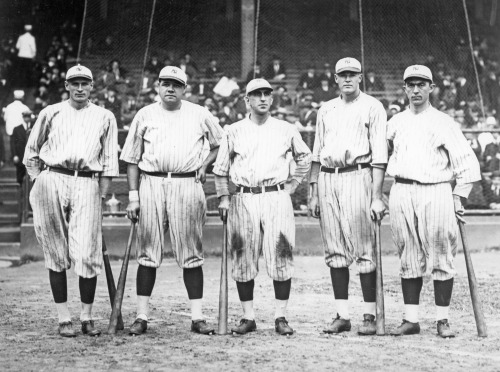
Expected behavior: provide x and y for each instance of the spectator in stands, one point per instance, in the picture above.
(114, 104)
(393, 110)
(255, 73)
(276, 70)
(61, 59)
(373, 83)
(308, 80)
(153, 66)
(492, 92)
(189, 62)
(401, 99)
(324, 92)
(116, 77)
(307, 109)
(128, 110)
(491, 155)
(26, 52)
(281, 97)
(189, 96)
(187, 67)
(18, 142)
(464, 92)
(13, 113)
(213, 71)
(327, 74)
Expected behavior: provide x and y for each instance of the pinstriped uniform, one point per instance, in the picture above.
(171, 141)
(348, 134)
(67, 209)
(257, 155)
(429, 148)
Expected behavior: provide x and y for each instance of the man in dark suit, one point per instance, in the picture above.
(276, 70)
(18, 142)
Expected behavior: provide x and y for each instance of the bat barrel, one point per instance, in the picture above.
(110, 281)
(380, 309)
(473, 286)
(223, 295)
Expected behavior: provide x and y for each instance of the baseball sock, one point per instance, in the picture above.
(411, 296)
(442, 295)
(369, 292)
(193, 280)
(340, 284)
(145, 281)
(87, 295)
(282, 294)
(59, 286)
(245, 293)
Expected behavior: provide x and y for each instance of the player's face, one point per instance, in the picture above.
(171, 92)
(260, 101)
(348, 82)
(418, 91)
(79, 89)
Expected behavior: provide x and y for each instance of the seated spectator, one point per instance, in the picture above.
(491, 155)
(281, 98)
(308, 80)
(189, 96)
(114, 104)
(324, 92)
(188, 68)
(401, 100)
(373, 83)
(116, 77)
(213, 71)
(189, 62)
(275, 70)
(393, 110)
(307, 109)
(128, 110)
(327, 74)
(153, 66)
(255, 73)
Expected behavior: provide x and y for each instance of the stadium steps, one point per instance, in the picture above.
(9, 207)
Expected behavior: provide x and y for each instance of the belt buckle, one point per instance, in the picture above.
(255, 190)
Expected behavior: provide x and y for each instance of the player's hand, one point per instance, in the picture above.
(459, 208)
(377, 209)
(291, 186)
(201, 175)
(16, 160)
(314, 207)
(223, 207)
(133, 211)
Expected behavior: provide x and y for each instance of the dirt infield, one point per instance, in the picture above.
(30, 342)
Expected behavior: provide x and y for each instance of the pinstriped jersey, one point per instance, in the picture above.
(257, 155)
(430, 148)
(83, 140)
(351, 133)
(171, 141)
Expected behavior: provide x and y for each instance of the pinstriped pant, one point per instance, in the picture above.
(424, 229)
(67, 218)
(177, 204)
(261, 223)
(346, 227)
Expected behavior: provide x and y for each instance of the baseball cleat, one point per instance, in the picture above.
(443, 329)
(369, 326)
(138, 327)
(89, 329)
(245, 326)
(406, 328)
(66, 329)
(282, 327)
(338, 325)
(200, 326)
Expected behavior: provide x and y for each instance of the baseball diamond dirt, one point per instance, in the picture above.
(30, 340)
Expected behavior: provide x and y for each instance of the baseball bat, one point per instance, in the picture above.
(117, 304)
(223, 301)
(473, 286)
(111, 282)
(380, 310)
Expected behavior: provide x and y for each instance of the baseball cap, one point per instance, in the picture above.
(18, 94)
(174, 73)
(79, 71)
(257, 84)
(347, 64)
(418, 71)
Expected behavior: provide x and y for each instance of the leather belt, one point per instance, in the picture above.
(171, 175)
(345, 169)
(260, 189)
(406, 181)
(76, 173)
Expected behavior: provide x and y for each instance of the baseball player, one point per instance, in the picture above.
(165, 152)
(349, 158)
(429, 152)
(255, 153)
(71, 156)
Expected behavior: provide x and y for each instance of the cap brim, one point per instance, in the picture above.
(172, 78)
(78, 77)
(348, 70)
(260, 88)
(418, 77)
